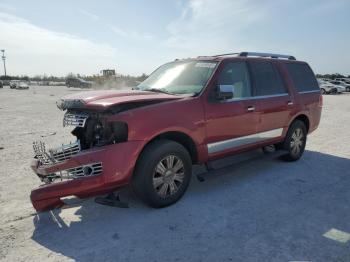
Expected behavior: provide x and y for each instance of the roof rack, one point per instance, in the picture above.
(246, 54)
(256, 54)
(227, 54)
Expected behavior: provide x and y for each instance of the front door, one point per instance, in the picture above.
(232, 123)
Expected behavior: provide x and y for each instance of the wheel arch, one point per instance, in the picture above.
(180, 137)
(304, 118)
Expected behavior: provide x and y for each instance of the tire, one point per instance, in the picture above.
(295, 141)
(323, 91)
(348, 89)
(154, 179)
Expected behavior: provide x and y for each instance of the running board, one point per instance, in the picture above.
(268, 151)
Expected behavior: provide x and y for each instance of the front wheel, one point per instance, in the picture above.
(295, 141)
(162, 174)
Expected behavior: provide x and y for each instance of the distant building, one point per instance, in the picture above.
(108, 72)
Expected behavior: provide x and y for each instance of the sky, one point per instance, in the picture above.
(135, 37)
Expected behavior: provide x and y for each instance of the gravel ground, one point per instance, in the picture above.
(254, 208)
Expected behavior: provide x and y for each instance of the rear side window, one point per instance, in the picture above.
(267, 79)
(303, 78)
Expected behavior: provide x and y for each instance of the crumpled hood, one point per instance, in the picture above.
(102, 99)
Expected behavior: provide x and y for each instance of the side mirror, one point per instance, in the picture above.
(225, 92)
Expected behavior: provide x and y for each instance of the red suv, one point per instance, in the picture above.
(186, 112)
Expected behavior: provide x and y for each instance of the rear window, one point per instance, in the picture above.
(303, 78)
(267, 79)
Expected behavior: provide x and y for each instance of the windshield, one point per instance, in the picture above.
(185, 77)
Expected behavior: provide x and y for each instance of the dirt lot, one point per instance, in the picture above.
(254, 208)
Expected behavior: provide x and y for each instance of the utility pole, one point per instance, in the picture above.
(3, 59)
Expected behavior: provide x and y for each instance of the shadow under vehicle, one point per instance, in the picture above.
(251, 206)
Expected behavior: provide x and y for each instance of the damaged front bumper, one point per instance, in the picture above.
(68, 171)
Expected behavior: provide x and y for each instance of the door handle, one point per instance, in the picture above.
(290, 103)
(250, 108)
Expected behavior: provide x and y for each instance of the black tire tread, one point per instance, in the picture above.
(286, 144)
(144, 166)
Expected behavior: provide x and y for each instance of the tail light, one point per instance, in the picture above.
(320, 101)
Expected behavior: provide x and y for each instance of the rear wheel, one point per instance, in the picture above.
(163, 173)
(295, 141)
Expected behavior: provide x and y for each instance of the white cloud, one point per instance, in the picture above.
(205, 24)
(31, 49)
(89, 15)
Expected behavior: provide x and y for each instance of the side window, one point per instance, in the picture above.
(302, 76)
(267, 79)
(236, 74)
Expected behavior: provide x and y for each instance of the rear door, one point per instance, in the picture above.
(275, 103)
(308, 92)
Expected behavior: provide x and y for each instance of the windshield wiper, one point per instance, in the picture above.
(156, 90)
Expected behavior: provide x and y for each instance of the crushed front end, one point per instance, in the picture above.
(99, 161)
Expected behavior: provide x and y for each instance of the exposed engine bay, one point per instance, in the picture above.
(92, 129)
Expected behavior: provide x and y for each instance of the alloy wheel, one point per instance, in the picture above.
(297, 141)
(168, 176)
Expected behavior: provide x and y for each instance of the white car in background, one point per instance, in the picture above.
(341, 83)
(329, 88)
(22, 85)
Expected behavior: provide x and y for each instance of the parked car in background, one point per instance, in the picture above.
(5, 82)
(22, 85)
(14, 83)
(343, 79)
(189, 111)
(78, 82)
(345, 82)
(344, 85)
(328, 88)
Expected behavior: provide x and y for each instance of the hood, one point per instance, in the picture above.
(104, 99)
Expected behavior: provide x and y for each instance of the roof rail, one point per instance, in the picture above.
(226, 54)
(246, 54)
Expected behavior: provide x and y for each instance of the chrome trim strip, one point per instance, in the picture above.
(254, 97)
(312, 91)
(268, 96)
(87, 170)
(244, 140)
(56, 155)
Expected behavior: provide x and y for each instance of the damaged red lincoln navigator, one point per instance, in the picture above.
(186, 112)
